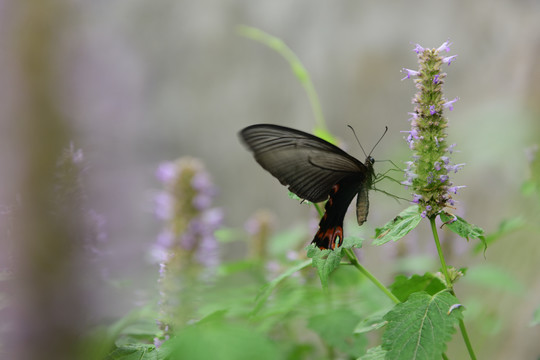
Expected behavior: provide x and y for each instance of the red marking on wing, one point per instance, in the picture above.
(329, 238)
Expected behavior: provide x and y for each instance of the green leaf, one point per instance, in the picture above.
(376, 353)
(326, 261)
(336, 329)
(420, 327)
(134, 352)
(350, 242)
(461, 227)
(402, 224)
(536, 317)
(268, 288)
(505, 227)
(403, 286)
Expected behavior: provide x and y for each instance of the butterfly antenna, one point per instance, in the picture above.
(358, 141)
(384, 133)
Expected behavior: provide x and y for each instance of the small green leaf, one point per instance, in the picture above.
(402, 224)
(336, 329)
(350, 242)
(420, 327)
(265, 292)
(536, 317)
(403, 286)
(325, 261)
(376, 353)
(461, 227)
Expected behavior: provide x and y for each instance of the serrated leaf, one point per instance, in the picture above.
(350, 242)
(461, 227)
(403, 286)
(336, 329)
(376, 353)
(266, 290)
(325, 261)
(420, 327)
(400, 226)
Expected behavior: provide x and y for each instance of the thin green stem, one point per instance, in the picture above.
(465, 336)
(439, 251)
(449, 285)
(354, 261)
(296, 66)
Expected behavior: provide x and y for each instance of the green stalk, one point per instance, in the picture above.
(439, 251)
(296, 66)
(354, 261)
(449, 285)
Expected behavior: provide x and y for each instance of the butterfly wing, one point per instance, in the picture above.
(309, 165)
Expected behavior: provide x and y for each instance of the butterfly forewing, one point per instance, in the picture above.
(309, 165)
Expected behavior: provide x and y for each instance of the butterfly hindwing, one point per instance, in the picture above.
(330, 233)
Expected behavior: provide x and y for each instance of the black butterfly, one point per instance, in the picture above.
(314, 170)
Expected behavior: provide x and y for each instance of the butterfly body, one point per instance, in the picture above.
(314, 170)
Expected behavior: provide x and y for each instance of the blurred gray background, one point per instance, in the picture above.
(135, 83)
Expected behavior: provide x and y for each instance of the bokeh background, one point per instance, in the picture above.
(134, 83)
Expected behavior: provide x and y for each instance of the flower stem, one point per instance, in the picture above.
(449, 285)
(465, 336)
(439, 251)
(354, 261)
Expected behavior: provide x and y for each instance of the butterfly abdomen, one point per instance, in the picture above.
(362, 205)
(330, 233)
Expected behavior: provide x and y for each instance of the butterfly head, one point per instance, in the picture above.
(370, 160)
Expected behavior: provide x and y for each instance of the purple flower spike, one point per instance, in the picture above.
(409, 73)
(445, 46)
(450, 104)
(448, 60)
(418, 49)
(454, 189)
